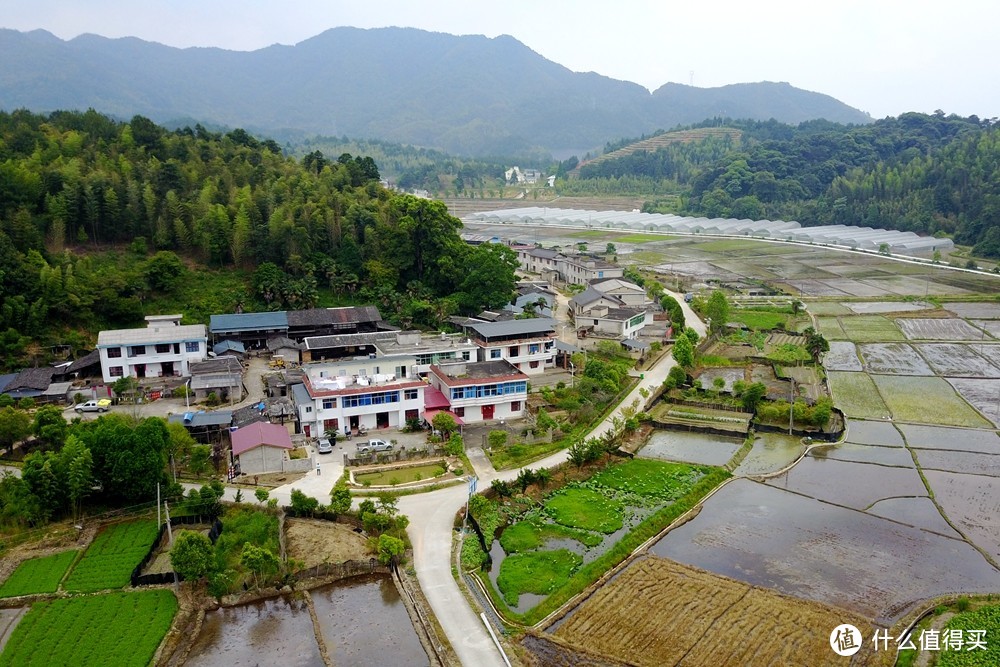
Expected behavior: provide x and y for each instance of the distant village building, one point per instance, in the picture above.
(518, 176)
(555, 266)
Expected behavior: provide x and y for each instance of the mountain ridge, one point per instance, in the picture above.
(468, 94)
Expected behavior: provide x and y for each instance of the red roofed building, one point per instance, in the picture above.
(261, 447)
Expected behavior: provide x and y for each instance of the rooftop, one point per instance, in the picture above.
(201, 418)
(152, 334)
(217, 365)
(260, 433)
(229, 346)
(232, 322)
(469, 372)
(541, 326)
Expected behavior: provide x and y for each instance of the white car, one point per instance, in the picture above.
(323, 446)
(99, 405)
(374, 445)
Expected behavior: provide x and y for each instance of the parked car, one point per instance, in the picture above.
(324, 446)
(99, 405)
(374, 445)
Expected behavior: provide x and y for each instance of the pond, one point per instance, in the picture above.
(364, 622)
(269, 632)
(690, 447)
(770, 453)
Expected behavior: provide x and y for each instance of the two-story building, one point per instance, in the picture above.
(529, 345)
(164, 348)
(554, 265)
(482, 391)
(403, 353)
(629, 293)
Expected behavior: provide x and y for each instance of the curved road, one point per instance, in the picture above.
(432, 517)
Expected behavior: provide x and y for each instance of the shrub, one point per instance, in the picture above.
(303, 505)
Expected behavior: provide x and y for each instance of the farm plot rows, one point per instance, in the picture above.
(981, 310)
(878, 307)
(121, 629)
(701, 619)
(957, 360)
(894, 359)
(843, 356)
(811, 549)
(938, 329)
(38, 575)
(926, 399)
(111, 557)
(870, 329)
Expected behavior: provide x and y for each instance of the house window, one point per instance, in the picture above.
(114, 353)
(512, 352)
(494, 354)
(309, 408)
(515, 406)
(459, 412)
(533, 348)
(192, 347)
(465, 355)
(329, 403)
(115, 371)
(600, 274)
(163, 348)
(410, 394)
(534, 364)
(136, 350)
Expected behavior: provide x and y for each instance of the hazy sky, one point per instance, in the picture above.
(881, 56)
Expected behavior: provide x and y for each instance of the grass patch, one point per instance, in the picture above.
(660, 480)
(38, 575)
(759, 320)
(538, 572)
(245, 524)
(527, 535)
(401, 475)
(120, 629)
(856, 395)
(985, 618)
(930, 400)
(643, 238)
(111, 557)
(586, 509)
(789, 353)
(871, 329)
(828, 308)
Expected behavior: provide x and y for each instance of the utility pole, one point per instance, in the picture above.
(158, 523)
(791, 404)
(170, 537)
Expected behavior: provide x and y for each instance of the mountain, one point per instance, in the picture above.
(467, 94)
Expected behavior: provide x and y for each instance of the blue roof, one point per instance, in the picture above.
(229, 346)
(248, 321)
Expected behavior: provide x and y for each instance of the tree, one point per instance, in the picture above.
(387, 503)
(816, 343)
(445, 424)
(753, 395)
(489, 281)
(163, 271)
(683, 352)
(340, 499)
(674, 310)
(390, 549)
(610, 249)
(261, 495)
(39, 473)
(78, 464)
(199, 459)
(496, 439)
(259, 560)
(129, 456)
(50, 425)
(577, 454)
(14, 426)
(717, 310)
(192, 555)
(675, 378)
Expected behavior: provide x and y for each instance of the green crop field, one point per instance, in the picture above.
(830, 328)
(120, 629)
(930, 400)
(871, 329)
(759, 319)
(828, 308)
(660, 480)
(985, 619)
(38, 575)
(856, 395)
(111, 557)
(401, 475)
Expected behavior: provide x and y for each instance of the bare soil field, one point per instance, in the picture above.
(929, 400)
(957, 439)
(972, 502)
(855, 485)
(916, 512)
(843, 356)
(957, 360)
(315, 542)
(938, 329)
(984, 395)
(894, 359)
(695, 618)
(811, 549)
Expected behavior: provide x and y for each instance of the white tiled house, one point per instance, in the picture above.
(164, 348)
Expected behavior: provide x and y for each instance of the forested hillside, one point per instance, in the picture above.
(102, 222)
(931, 174)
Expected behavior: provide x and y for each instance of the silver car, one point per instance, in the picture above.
(374, 445)
(324, 446)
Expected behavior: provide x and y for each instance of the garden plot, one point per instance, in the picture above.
(831, 328)
(770, 453)
(855, 485)
(984, 395)
(886, 456)
(111, 557)
(876, 307)
(916, 512)
(972, 503)
(929, 400)
(893, 358)
(870, 329)
(972, 463)
(696, 618)
(843, 356)
(980, 310)
(814, 550)
(873, 433)
(938, 329)
(955, 359)
(38, 575)
(729, 375)
(856, 395)
(955, 439)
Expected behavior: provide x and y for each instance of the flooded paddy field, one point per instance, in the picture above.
(863, 307)
(984, 395)
(959, 439)
(916, 512)
(972, 463)
(886, 456)
(856, 395)
(855, 485)
(364, 622)
(269, 632)
(690, 447)
(992, 327)
(982, 310)
(811, 549)
(894, 359)
(843, 356)
(990, 352)
(938, 329)
(928, 400)
(880, 433)
(955, 359)
(770, 453)
(972, 503)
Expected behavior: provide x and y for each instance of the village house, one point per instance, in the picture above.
(164, 348)
(480, 391)
(529, 344)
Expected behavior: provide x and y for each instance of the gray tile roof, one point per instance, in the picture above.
(233, 322)
(534, 326)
